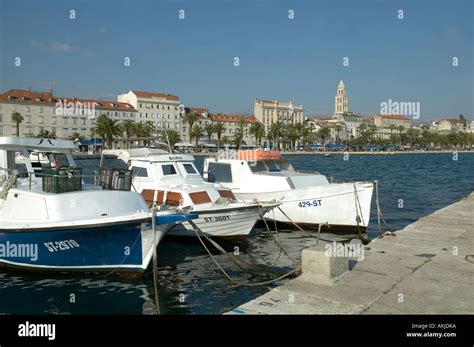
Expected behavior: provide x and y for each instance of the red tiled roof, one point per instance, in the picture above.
(155, 95)
(393, 116)
(198, 110)
(47, 98)
(218, 117)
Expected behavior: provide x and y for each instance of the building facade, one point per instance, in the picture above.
(269, 112)
(164, 110)
(445, 126)
(341, 100)
(232, 125)
(43, 111)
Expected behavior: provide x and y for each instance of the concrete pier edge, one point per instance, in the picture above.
(425, 268)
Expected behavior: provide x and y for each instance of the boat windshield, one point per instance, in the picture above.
(270, 165)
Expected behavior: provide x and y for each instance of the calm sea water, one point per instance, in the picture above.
(190, 283)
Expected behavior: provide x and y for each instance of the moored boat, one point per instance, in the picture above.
(172, 181)
(51, 220)
(307, 199)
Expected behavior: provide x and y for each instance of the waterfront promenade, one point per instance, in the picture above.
(426, 268)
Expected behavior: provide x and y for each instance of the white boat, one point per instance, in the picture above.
(307, 199)
(50, 220)
(172, 181)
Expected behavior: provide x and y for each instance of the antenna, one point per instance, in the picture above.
(168, 141)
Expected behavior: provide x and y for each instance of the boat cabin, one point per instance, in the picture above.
(166, 179)
(258, 171)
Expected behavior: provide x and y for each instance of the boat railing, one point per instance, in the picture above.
(67, 179)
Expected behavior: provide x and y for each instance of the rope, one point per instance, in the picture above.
(307, 233)
(198, 231)
(364, 240)
(155, 261)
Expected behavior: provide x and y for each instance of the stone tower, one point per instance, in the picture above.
(342, 102)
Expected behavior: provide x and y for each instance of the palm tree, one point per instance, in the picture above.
(323, 134)
(196, 132)
(239, 133)
(226, 140)
(76, 137)
(46, 134)
(257, 130)
(128, 127)
(17, 118)
(275, 133)
(191, 118)
(173, 137)
(107, 129)
(219, 129)
(210, 129)
(392, 127)
(307, 136)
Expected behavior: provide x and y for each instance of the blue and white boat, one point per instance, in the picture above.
(50, 220)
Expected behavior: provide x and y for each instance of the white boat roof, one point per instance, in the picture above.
(147, 154)
(36, 144)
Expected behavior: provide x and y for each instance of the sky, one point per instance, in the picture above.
(298, 60)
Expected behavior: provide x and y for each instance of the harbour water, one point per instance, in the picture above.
(410, 186)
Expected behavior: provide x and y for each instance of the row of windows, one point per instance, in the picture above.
(280, 113)
(163, 107)
(159, 116)
(166, 169)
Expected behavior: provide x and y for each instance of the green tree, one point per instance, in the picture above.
(324, 134)
(219, 130)
(46, 134)
(275, 133)
(17, 118)
(128, 127)
(258, 131)
(76, 137)
(172, 137)
(210, 129)
(196, 133)
(107, 129)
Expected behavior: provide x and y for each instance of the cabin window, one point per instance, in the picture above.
(257, 166)
(220, 173)
(189, 169)
(168, 169)
(200, 197)
(139, 171)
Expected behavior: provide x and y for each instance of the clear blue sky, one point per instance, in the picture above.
(298, 60)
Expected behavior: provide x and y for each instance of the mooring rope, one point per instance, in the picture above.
(198, 231)
(155, 260)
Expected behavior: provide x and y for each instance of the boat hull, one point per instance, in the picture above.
(227, 222)
(119, 248)
(334, 204)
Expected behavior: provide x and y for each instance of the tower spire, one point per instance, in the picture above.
(341, 104)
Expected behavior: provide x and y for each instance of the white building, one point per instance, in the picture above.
(446, 126)
(43, 111)
(160, 108)
(271, 111)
